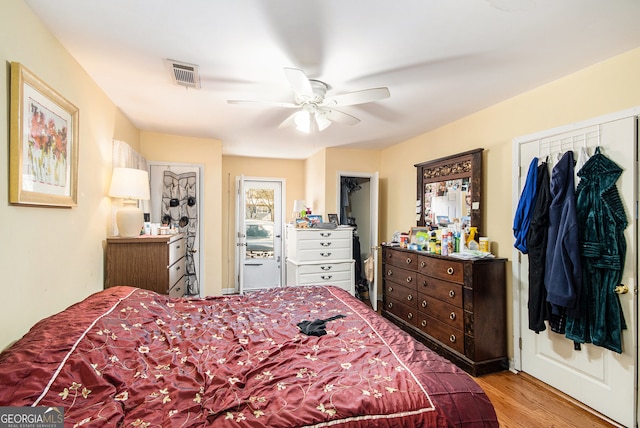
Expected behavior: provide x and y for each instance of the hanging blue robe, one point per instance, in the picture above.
(522, 217)
(602, 221)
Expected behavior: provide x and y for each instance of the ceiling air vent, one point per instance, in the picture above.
(184, 74)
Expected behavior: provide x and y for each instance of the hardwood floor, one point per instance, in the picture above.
(522, 401)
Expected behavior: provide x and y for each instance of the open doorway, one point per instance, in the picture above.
(358, 207)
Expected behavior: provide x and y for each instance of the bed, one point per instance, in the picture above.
(130, 357)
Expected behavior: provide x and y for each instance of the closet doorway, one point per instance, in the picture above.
(602, 379)
(357, 202)
(176, 191)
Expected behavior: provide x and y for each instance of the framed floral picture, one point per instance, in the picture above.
(43, 143)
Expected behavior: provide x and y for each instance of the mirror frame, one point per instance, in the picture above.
(461, 165)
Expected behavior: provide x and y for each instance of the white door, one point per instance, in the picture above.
(372, 230)
(194, 230)
(601, 379)
(259, 224)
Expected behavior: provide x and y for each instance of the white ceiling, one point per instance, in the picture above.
(440, 59)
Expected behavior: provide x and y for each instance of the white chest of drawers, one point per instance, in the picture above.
(320, 257)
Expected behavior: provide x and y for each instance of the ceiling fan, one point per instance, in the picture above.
(314, 110)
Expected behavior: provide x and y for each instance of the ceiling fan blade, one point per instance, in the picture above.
(358, 97)
(266, 103)
(299, 82)
(340, 117)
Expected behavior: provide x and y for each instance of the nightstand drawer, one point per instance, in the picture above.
(177, 250)
(178, 288)
(176, 271)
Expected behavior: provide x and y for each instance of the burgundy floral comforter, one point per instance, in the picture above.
(130, 357)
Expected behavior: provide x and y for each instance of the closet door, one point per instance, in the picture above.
(601, 379)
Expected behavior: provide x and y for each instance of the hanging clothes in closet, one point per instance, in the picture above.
(602, 221)
(563, 272)
(537, 237)
(522, 217)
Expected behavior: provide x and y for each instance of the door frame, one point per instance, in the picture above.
(238, 221)
(201, 219)
(374, 232)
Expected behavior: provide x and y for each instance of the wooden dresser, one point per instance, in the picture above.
(456, 307)
(154, 263)
(320, 257)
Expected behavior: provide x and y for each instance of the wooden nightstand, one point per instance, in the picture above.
(155, 263)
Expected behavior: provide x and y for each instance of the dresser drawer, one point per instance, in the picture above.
(401, 294)
(324, 268)
(448, 270)
(442, 332)
(324, 244)
(405, 312)
(176, 271)
(178, 288)
(324, 278)
(324, 254)
(177, 250)
(448, 314)
(442, 290)
(401, 259)
(400, 276)
(322, 234)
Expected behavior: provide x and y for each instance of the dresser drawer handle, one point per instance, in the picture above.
(424, 303)
(423, 263)
(424, 283)
(423, 323)
(177, 268)
(408, 260)
(326, 267)
(325, 244)
(409, 297)
(326, 277)
(390, 305)
(452, 338)
(450, 271)
(452, 293)
(409, 316)
(177, 247)
(389, 272)
(452, 316)
(325, 234)
(325, 254)
(409, 279)
(390, 288)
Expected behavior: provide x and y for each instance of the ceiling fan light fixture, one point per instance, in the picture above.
(322, 121)
(302, 119)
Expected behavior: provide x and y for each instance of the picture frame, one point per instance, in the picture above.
(333, 218)
(314, 219)
(43, 143)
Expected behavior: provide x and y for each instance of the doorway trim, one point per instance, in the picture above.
(374, 240)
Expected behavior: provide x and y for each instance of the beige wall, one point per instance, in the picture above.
(603, 88)
(315, 187)
(51, 258)
(208, 153)
(292, 171)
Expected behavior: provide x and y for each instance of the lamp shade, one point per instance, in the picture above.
(298, 205)
(131, 185)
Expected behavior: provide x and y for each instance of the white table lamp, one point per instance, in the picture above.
(298, 206)
(131, 185)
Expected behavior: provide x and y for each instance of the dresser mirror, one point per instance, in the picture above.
(449, 190)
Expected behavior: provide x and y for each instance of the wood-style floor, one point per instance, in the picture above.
(522, 401)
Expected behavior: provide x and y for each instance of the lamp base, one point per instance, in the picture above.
(129, 219)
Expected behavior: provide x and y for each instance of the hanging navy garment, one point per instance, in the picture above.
(522, 216)
(602, 221)
(563, 274)
(538, 306)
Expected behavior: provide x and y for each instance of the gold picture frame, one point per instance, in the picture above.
(43, 143)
